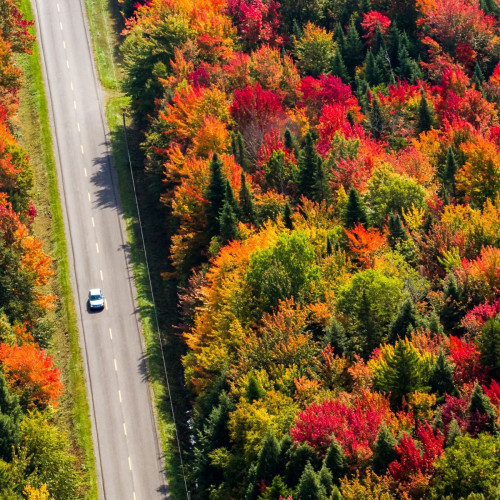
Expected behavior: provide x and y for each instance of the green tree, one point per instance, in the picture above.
(489, 346)
(228, 223)
(425, 118)
(10, 417)
(326, 480)
(339, 68)
(405, 322)
(452, 310)
(246, 201)
(372, 72)
(471, 465)
(482, 414)
(277, 490)
(449, 172)
(268, 460)
(254, 389)
(290, 143)
(441, 380)
(354, 212)
(321, 189)
(397, 233)
(453, 432)
(287, 216)
(309, 487)
(242, 151)
(353, 49)
(336, 337)
(314, 51)
(299, 457)
(308, 162)
(335, 461)
(216, 193)
(384, 452)
(377, 121)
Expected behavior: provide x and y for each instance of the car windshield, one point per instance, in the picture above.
(95, 297)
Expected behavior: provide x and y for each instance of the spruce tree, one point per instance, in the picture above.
(228, 224)
(482, 414)
(336, 337)
(290, 143)
(268, 459)
(434, 325)
(404, 322)
(216, 193)
(329, 247)
(453, 432)
(287, 216)
(309, 487)
(10, 417)
(286, 445)
(376, 119)
(354, 212)
(336, 495)
(384, 452)
(353, 49)
(372, 72)
(397, 233)
(246, 201)
(229, 197)
(321, 189)
(452, 310)
(368, 336)
(361, 93)
(298, 458)
(339, 68)
(254, 389)
(308, 162)
(425, 118)
(449, 172)
(335, 461)
(489, 346)
(326, 480)
(338, 35)
(441, 380)
(478, 76)
(242, 151)
(278, 489)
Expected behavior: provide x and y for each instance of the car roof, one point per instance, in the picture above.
(95, 291)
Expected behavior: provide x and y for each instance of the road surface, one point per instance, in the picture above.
(128, 456)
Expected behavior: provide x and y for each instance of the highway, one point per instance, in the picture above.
(129, 462)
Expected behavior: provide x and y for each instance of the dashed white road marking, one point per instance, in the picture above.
(102, 277)
(106, 304)
(81, 147)
(110, 334)
(85, 170)
(133, 493)
(129, 463)
(78, 126)
(60, 25)
(124, 429)
(120, 395)
(58, 9)
(64, 45)
(67, 63)
(116, 366)
(74, 104)
(93, 222)
(89, 196)
(97, 247)
(72, 88)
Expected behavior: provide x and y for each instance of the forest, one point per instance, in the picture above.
(330, 174)
(36, 460)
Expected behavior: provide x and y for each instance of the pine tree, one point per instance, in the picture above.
(336, 337)
(277, 490)
(372, 72)
(354, 212)
(404, 322)
(376, 120)
(286, 445)
(425, 118)
(10, 417)
(234, 146)
(268, 459)
(489, 346)
(368, 336)
(228, 224)
(452, 310)
(298, 458)
(339, 68)
(384, 452)
(229, 197)
(478, 76)
(361, 93)
(242, 152)
(290, 143)
(441, 380)
(246, 202)
(309, 487)
(329, 247)
(453, 432)
(353, 49)
(338, 35)
(335, 461)
(321, 189)
(287, 216)
(449, 172)
(326, 480)
(336, 495)
(216, 193)
(397, 233)
(379, 41)
(308, 161)
(254, 389)
(482, 414)
(394, 42)
(434, 325)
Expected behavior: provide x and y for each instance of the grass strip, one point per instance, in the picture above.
(35, 137)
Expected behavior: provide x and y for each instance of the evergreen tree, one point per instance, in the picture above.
(298, 458)
(376, 120)
(384, 452)
(242, 152)
(287, 217)
(335, 461)
(452, 310)
(489, 346)
(367, 331)
(353, 49)
(290, 143)
(321, 189)
(308, 162)
(336, 495)
(482, 414)
(268, 459)
(336, 337)
(441, 380)
(394, 42)
(10, 417)
(397, 233)
(449, 172)
(434, 324)
(229, 197)
(361, 93)
(326, 480)
(354, 212)
(309, 487)
(488, 7)
(234, 146)
(228, 224)
(254, 389)
(338, 35)
(339, 68)
(425, 118)
(404, 322)
(379, 45)
(478, 76)
(329, 247)
(277, 490)
(246, 202)
(408, 68)
(216, 193)
(372, 72)
(453, 432)
(286, 445)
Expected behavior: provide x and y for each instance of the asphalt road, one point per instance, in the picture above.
(128, 456)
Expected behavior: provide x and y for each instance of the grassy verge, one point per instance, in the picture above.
(104, 24)
(34, 135)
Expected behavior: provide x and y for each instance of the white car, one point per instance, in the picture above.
(96, 299)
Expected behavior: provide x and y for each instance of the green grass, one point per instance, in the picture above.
(34, 135)
(104, 24)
